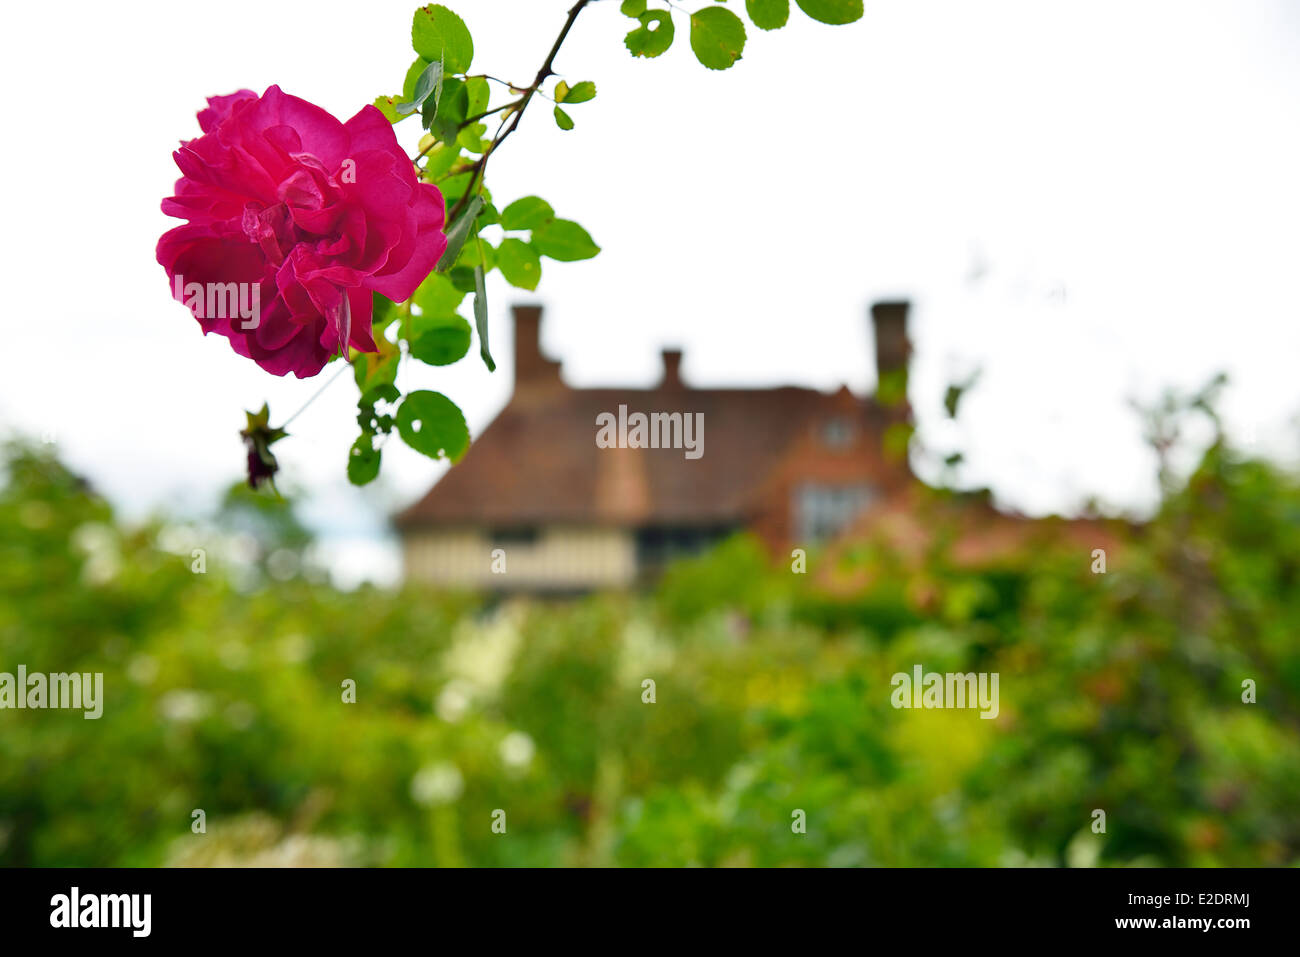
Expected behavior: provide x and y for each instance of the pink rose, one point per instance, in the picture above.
(293, 220)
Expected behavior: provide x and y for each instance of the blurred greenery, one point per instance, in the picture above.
(223, 692)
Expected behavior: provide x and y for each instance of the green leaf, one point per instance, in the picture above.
(413, 73)
(564, 240)
(428, 85)
(580, 92)
(382, 311)
(258, 421)
(479, 93)
(462, 277)
(833, 12)
(951, 399)
(561, 91)
(376, 368)
(768, 14)
(388, 106)
(481, 318)
(439, 34)
(453, 187)
(370, 420)
(562, 119)
(527, 213)
(439, 160)
(430, 423)
(478, 253)
(363, 460)
(519, 263)
(717, 37)
(380, 393)
(471, 138)
(647, 40)
(452, 110)
(488, 216)
(440, 340)
(632, 8)
(436, 296)
(453, 191)
(459, 232)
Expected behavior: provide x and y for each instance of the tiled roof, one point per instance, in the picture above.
(538, 462)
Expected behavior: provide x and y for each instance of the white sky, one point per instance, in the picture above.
(1125, 176)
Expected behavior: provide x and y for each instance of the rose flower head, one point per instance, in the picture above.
(293, 220)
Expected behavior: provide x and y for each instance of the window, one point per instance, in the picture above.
(657, 544)
(823, 511)
(521, 535)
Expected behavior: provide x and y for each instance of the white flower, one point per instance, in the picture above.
(183, 706)
(437, 784)
(177, 539)
(143, 669)
(483, 654)
(454, 701)
(642, 653)
(92, 537)
(98, 542)
(517, 750)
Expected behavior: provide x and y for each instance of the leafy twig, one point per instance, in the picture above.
(507, 128)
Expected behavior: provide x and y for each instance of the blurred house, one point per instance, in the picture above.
(793, 465)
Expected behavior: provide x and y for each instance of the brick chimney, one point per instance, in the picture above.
(672, 369)
(893, 351)
(531, 367)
